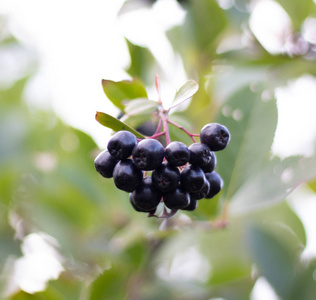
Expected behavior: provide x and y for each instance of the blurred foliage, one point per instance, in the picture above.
(48, 182)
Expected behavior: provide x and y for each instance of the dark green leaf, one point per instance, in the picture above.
(119, 92)
(275, 261)
(115, 124)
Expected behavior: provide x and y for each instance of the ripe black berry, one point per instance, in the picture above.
(177, 199)
(202, 192)
(192, 205)
(216, 184)
(166, 177)
(192, 178)
(200, 154)
(105, 163)
(215, 135)
(122, 144)
(148, 154)
(126, 176)
(146, 197)
(177, 154)
(210, 166)
(137, 208)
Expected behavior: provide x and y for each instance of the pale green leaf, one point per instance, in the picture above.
(185, 92)
(140, 106)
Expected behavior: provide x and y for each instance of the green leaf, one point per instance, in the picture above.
(312, 185)
(252, 123)
(119, 92)
(185, 92)
(273, 183)
(304, 286)
(206, 21)
(111, 284)
(115, 124)
(142, 63)
(275, 261)
(141, 106)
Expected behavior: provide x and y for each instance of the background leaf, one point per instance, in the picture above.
(274, 259)
(251, 122)
(298, 11)
(114, 123)
(140, 107)
(119, 92)
(185, 92)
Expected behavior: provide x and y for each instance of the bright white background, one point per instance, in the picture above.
(80, 42)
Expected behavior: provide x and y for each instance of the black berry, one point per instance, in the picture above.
(177, 199)
(122, 144)
(127, 176)
(202, 192)
(210, 166)
(105, 163)
(215, 135)
(192, 178)
(177, 154)
(146, 197)
(148, 154)
(192, 205)
(200, 154)
(216, 184)
(166, 177)
(134, 206)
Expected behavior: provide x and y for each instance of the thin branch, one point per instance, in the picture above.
(191, 135)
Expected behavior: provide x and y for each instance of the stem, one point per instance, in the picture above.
(191, 135)
(158, 127)
(156, 135)
(164, 119)
(157, 83)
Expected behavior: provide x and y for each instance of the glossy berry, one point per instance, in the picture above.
(148, 154)
(210, 166)
(166, 177)
(192, 205)
(202, 192)
(122, 144)
(215, 135)
(126, 176)
(177, 199)
(200, 154)
(146, 197)
(216, 184)
(135, 207)
(104, 163)
(192, 178)
(177, 154)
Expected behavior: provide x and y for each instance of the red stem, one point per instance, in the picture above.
(156, 135)
(157, 83)
(191, 135)
(164, 119)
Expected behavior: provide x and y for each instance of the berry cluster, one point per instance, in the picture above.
(177, 175)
